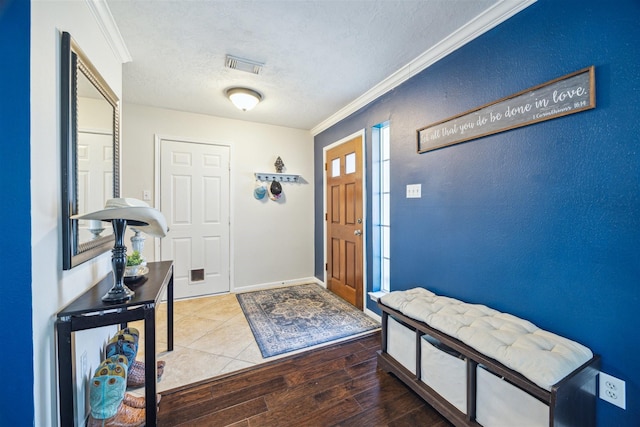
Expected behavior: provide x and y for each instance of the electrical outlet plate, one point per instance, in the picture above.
(82, 394)
(83, 364)
(612, 390)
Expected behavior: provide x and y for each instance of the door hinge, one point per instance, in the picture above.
(326, 216)
(325, 166)
(326, 266)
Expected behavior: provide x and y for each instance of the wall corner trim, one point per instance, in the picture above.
(109, 28)
(500, 12)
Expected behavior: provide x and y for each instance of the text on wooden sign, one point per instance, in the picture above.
(569, 94)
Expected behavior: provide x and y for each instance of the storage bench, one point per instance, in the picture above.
(480, 367)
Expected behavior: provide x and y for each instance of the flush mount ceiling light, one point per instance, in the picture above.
(243, 98)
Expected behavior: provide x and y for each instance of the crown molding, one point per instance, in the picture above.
(107, 24)
(492, 17)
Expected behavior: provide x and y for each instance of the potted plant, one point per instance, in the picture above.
(134, 262)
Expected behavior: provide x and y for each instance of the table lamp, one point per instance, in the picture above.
(121, 212)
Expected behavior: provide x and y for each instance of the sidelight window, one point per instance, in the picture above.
(381, 206)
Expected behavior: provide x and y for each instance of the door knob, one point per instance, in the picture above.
(358, 232)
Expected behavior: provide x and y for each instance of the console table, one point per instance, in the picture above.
(89, 311)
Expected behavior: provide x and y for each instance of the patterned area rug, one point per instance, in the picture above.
(295, 317)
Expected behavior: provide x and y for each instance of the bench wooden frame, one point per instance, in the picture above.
(571, 402)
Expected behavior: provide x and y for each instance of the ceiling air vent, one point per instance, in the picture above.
(242, 64)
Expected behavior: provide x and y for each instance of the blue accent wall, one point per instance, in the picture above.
(16, 395)
(542, 221)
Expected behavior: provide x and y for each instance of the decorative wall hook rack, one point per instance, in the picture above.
(281, 177)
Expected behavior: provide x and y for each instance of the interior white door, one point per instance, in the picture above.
(95, 176)
(194, 197)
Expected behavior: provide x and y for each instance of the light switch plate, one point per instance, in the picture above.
(414, 191)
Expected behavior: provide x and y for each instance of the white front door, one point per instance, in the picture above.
(194, 198)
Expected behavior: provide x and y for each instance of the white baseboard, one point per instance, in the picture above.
(373, 315)
(279, 284)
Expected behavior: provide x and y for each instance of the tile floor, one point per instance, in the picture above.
(211, 337)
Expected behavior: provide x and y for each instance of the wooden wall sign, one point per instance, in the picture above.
(565, 95)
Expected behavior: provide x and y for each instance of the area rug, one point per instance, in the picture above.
(287, 319)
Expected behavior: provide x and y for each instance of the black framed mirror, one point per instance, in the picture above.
(90, 144)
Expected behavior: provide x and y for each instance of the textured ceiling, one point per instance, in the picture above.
(319, 56)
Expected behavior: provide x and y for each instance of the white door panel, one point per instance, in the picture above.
(95, 175)
(195, 199)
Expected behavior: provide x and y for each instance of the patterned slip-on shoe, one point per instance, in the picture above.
(126, 416)
(138, 402)
(136, 373)
(124, 344)
(107, 388)
(133, 332)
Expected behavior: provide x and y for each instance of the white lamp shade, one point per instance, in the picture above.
(244, 99)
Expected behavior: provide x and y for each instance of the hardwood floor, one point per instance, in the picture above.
(337, 385)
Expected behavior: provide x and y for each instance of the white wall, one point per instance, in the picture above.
(53, 288)
(272, 242)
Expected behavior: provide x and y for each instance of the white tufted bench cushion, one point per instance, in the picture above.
(541, 356)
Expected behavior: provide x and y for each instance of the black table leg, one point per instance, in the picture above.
(65, 373)
(170, 313)
(150, 372)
